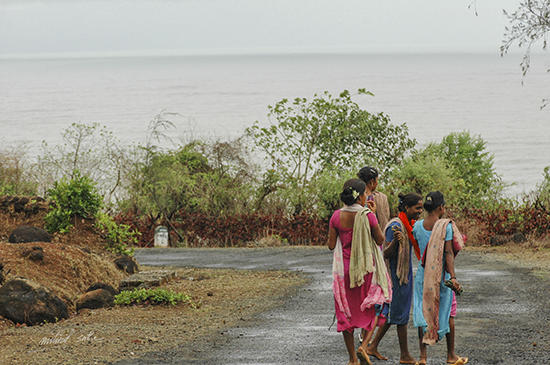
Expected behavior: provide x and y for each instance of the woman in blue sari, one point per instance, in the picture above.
(436, 267)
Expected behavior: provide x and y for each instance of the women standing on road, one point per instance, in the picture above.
(360, 278)
(439, 241)
(397, 250)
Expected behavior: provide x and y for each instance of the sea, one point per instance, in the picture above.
(218, 96)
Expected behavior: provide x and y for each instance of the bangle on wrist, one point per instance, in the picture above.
(453, 277)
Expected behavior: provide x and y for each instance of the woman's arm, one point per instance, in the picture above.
(392, 247)
(376, 233)
(332, 236)
(450, 263)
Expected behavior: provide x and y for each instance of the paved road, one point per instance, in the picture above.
(503, 316)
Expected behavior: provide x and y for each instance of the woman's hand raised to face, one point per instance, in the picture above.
(372, 206)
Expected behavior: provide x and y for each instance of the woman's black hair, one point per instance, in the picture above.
(367, 174)
(351, 191)
(408, 200)
(434, 200)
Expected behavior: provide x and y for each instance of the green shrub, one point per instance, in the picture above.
(118, 236)
(540, 197)
(153, 296)
(459, 167)
(467, 156)
(424, 172)
(76, 196)
(58, 220)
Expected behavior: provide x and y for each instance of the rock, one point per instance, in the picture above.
(126, 263)
(499, 240)
(95, 299)
(519, 238)
(24, 301)
(104, 286)
(34, 254)
(19, 205)
(3, 274)
(23, 234)
(146, 279)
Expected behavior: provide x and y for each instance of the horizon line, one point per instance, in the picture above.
(280, 51)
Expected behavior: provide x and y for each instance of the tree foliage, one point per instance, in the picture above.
(212, 178)
(421, 173)
(308, 137)
(90, 149)
(529, 23)
(540, 197)
(466, 154)
(458, 166)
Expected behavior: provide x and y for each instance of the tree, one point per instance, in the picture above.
(473, 164)
(458, 166)
(422, 172)
(529, 23)
(306, 138)
(90, 149)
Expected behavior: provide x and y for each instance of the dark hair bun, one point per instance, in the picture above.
(434, 200)
(351, 191)
(347, 196)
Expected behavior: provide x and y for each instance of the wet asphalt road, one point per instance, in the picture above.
(503, 316)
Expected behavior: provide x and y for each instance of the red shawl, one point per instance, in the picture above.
(409, 229)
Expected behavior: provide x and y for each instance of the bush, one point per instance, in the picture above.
(15, 174)
(153, 296)
(72, 197)
(424, 172)
(211, 178)
(466, 155)
(204, 230)
(540, 198)
(458, 167)
(90, 149)
(118, 236)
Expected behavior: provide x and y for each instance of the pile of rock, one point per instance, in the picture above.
(24, 301)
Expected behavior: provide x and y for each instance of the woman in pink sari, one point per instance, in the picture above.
(360, 279)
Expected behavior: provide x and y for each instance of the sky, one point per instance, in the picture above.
(30, 27)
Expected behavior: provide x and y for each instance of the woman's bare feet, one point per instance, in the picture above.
(373, 351)
(363, 356)
(409, 360)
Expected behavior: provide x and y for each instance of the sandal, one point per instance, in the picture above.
(363, 356)
(460, 361)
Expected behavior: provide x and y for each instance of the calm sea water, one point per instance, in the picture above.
(219, 96)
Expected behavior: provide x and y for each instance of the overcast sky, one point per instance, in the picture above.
(250, 26)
